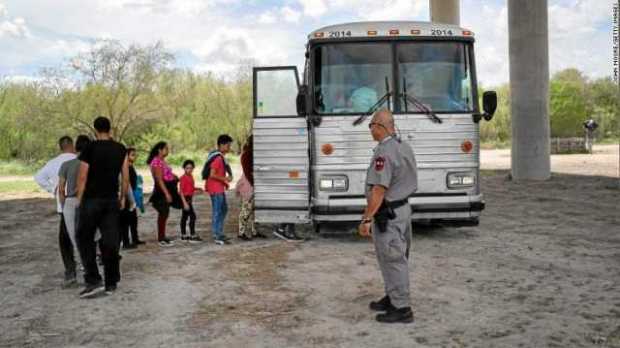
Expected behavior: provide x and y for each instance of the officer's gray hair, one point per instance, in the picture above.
(384, 115)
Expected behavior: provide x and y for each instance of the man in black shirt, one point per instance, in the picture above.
(100, 204)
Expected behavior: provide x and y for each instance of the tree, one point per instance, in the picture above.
(118, 82)
(499, 128)
(568, 104)
(605, 100)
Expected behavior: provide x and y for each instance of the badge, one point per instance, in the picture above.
(379, 163)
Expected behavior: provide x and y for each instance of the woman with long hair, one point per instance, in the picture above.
(165, 193)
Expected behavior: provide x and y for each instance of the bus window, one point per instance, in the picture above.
(436, 73)
(350, 77)
(276, 90)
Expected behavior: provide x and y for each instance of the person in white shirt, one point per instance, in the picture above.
(47, 178)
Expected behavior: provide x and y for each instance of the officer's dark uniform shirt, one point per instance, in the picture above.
(393, 166)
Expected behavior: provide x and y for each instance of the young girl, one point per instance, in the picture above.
(187, 190)
(129, 215)
(165, 192)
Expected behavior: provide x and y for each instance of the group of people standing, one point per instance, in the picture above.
(171, 191)
(99, 191)
(91, 183)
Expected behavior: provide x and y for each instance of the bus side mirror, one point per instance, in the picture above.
(302, 98)
(489, 104)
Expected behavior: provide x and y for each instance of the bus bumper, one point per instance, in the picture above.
(452, 209)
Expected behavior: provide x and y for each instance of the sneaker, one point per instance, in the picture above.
(69, 282)
(286, 233)
(194, 239)
(92, 290)
(184, 238)
(222, 241)
(166, 242)
(279, 233)
(109, 289)
(139, 242)
(400, 315)
(130, 246)
(291, 235)
(260, 235)
(244, 237)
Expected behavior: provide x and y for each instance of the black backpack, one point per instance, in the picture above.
(206, 170)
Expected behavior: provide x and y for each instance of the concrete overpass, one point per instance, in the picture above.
(529, 82)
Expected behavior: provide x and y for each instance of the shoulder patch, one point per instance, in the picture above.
(379, 163)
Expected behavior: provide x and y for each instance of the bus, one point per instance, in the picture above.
(312, 145)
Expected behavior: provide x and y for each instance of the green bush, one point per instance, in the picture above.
(498, 129)
(16, 167)
(154, 102)
(572, 100)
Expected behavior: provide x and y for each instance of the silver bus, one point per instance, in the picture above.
(311, 140)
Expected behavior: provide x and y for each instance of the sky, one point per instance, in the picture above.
(215, 35)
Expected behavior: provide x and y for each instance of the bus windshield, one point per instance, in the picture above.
(435, 73)
(349, 78)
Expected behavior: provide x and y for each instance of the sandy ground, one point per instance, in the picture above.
(541, 270)
(605, 161)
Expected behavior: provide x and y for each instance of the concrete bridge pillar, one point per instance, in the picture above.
(445, 11)
(529, 88)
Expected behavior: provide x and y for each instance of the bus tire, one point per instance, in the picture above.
(316, 227)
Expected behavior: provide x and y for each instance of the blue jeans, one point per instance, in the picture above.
(220, 208)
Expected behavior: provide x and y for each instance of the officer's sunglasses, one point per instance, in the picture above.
(375, 123)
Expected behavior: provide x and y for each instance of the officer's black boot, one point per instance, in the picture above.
(383, 305)
(399, 315)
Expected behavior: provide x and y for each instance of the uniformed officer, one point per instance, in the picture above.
(390, 180)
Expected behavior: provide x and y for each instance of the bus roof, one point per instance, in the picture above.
(389, 29)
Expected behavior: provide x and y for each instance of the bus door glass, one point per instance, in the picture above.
(281, 156)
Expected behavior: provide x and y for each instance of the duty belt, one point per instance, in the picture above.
(397, 204)
(386, 212)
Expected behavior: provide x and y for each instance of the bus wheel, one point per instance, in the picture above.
(316, 227)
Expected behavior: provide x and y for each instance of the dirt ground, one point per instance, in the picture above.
(541, 270)
(604, 161)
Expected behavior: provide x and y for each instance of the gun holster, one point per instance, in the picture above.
(383, 215)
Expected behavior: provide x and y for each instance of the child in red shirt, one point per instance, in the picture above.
(187, 190)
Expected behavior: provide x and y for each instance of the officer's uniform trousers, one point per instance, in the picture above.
(392, 249)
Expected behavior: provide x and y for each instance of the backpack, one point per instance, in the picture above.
(206, 170)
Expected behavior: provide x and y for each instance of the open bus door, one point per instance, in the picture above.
(281, 156)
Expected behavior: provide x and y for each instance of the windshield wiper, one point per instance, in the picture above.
(418, 104)
(376, 105)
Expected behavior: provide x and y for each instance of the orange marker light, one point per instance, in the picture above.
(327, 149)
(467, 146)
(467, 33)
(415, 32)
(372, 32)
(293, 174)
(319, 34)
(394, 32)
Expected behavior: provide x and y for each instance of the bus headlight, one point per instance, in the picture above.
(334, 183)
(458, 180)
